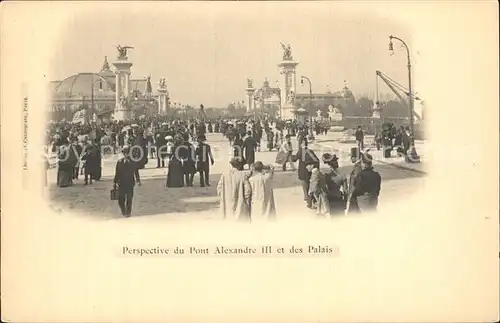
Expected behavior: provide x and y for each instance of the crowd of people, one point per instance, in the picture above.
(245, 189)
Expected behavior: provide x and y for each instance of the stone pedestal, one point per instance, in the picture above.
(250, 99)
(288, 90)
(122, 90)
(376, 111)
(163, 99)
(335, 116)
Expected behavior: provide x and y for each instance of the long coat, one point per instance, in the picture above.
(349, 186)
(262, 200)
(367, 189)
(319, 190)
(234, 191)
(304, 155)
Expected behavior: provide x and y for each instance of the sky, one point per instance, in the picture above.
(206, 51)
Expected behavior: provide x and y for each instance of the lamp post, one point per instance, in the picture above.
(91, 110)
(413, 152)
(311, 133)
(279, 97)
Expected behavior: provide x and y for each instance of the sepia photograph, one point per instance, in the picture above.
(244, 131)
(260, 161)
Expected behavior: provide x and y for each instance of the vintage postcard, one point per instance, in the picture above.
(319, 161)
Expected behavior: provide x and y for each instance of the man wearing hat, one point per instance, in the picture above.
(334, 181)
(186, 153)
(126, 175)
(367, 185)
(204, 159)
(351, 202)
(160, 143)
(305, 155)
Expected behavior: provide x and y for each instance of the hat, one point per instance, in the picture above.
(355, 152)
(367, 159)
(126, 149)
(328, 158)
(236, 162)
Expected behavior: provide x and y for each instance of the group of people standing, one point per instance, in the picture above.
(247, 195)
(392, 138)
(76, 158)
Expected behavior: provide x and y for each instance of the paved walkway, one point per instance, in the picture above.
(154, 202)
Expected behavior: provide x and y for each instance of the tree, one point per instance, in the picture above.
(361, 108)
(394, 109)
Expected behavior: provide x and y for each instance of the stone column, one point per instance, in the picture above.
(117, 88)
(250, 96)
(287, 71)
(122, 68)
(127, 84)
(162, 101)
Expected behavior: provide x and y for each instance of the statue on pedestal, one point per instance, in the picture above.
(287, 52)
(334, 113)
(162, 83)
(249, 83)
(290, 97)
(123, 101)
(122, 51)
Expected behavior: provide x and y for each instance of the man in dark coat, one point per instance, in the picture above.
(367, 186)
(92, 161)
(349, 184)
(204, 159)
(160, 143)
(187, 154)
(305, 156)
(360, 137)
(249, 148)
(126, 176)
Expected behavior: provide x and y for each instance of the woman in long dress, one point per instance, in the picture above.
(174, 175)
(67, 161)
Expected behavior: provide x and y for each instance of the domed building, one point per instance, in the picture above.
(95, 92)
(340, 99)
(267, 98)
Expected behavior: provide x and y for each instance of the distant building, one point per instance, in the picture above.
(96, 93)
(268, 95)
(340, 99)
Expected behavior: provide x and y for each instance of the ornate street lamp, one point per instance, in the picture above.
(311, 133)
(413, 152)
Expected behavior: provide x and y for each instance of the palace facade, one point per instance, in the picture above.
(270, 97)
(95, 93)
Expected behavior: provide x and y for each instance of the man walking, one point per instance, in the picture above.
(367, 186)
(360, 137)
(204, 159)
(305, 156)
(126, 175)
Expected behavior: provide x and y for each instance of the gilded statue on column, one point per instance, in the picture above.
(162, 83)
(287, 52)
(122, 51)
(123, 101)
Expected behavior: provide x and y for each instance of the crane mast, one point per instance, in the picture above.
(393, 89)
